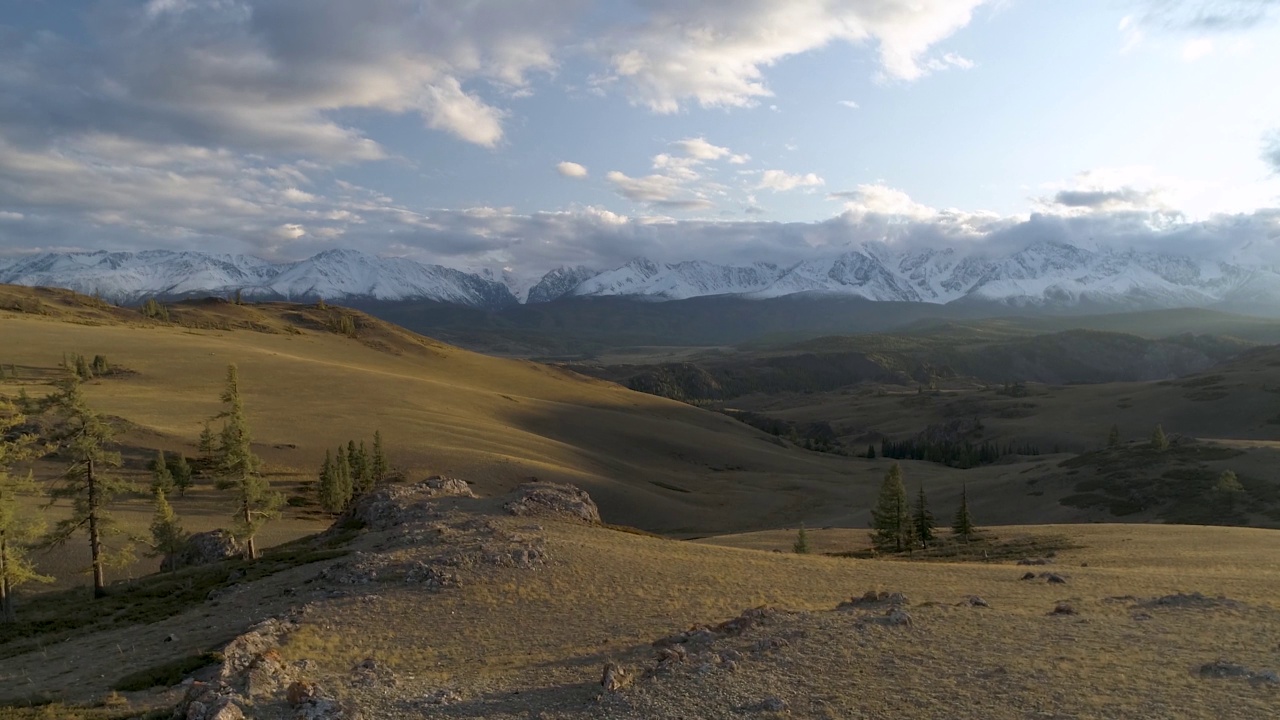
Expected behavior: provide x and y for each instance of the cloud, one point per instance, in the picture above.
(1271, 151)
(849, 104)
(1208, 15)
(714, 52)
(650, 188)
(881, 200)
(1120, 198)
(781, 181)
(269, 76)
(1195, 49)
(571, 169)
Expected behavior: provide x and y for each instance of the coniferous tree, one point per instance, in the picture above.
(161, 477)
(181, 471)
(238, 470)
(23, 403)
(333, 495)
(801, 546)
(1113, 439)
(84, 435)
(923, 521)
(891, 518)
(342, 471)
(82, 369)
(1158, 439)
(208, 441)
(378, 464)
(871, 452)
(18, 527)
(167, 535)
(962, 526)
(100, 366)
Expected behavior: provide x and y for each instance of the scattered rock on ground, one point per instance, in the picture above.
(1195, 601)
(1054, 579)
(1029, 576)
(546, 499)
(1225, 669)
(615, 677)
(873, 598)
(1063, 609)
(975, 601)
(774, 704)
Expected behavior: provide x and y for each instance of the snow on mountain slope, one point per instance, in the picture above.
(333, 275)
(558, 283)
(1044, 274)
(680, 280)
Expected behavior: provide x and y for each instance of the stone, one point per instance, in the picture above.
(544, 499)
(774, 704)
(898, 617)
(1029, 576)
(975, 601)
(204, 548)
(301, 691)
(442, 486)
(615, 677)
(1055, 579)
(1063, 609)
(442, 697)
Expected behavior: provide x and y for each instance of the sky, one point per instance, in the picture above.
(531, 134)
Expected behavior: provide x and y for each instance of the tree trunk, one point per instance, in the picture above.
(8, 613)
(95, 538)
(250, 547)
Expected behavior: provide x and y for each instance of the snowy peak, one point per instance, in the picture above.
(679, 281)
(332, 275)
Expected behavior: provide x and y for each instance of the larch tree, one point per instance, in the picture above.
(18, 528)
(343, 479)
(238, 469)
(88, 483)
(923, 523)
(962, 526)
(334, 493)
(182, 476)
(167, 536)
(161, 476)
(208, 441)
(378, 464)
(1158, 439)
(891, 517)
(801, 546)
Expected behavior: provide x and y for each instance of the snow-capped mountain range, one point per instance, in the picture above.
(1046, 274)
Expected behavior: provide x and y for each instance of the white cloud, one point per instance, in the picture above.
(571, 169)
(714, 52)
(650, 188)
(7, 215)
(874, 199)
(781, 181)
(849, 104)
(1195, 49)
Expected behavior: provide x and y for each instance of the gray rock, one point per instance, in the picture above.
(544, 499)
(204, 548)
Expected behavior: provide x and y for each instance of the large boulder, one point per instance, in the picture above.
(204, 549)
(552, 500)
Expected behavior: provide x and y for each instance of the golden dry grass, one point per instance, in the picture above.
(607, 595)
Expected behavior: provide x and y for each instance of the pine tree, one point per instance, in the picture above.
(84, 435)
(238, 470)
(100, 365)
(167, 536)
(208, 441)
(342, 474)
(871, 452)
(962, 526)
(801, 546)
(378, 465)
(1158, 439)
(1113, 439)
(161, 477)
(356, 459)
(82, 369)
(333, 495)
(923, 521)
(18, 527)
(891, 518)
(182, 476)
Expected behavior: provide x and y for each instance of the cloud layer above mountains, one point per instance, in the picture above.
(240, 124)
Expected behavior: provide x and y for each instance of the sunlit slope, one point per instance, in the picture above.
(649, 461)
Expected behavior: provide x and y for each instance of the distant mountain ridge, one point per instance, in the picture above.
(1050, 275)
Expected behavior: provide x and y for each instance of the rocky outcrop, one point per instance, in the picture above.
(552, 500)
(204, 549)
